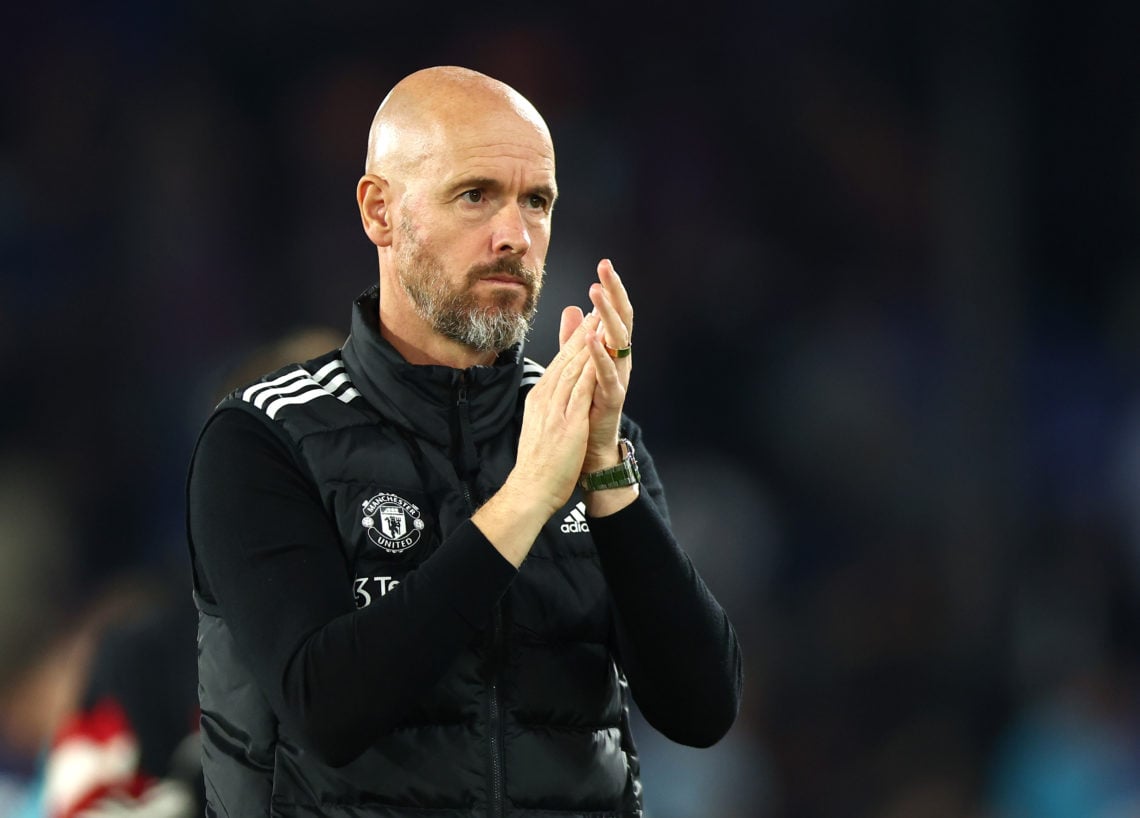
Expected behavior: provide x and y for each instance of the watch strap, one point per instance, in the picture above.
(623, 474)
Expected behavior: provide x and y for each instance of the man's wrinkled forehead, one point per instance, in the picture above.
(484, 152)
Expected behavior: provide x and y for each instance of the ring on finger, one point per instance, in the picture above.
(621, 352)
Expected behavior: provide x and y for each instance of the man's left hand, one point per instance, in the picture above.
(611, 302)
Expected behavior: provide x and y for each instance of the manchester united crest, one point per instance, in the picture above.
(392, 522)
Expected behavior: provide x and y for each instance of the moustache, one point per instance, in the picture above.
(527, 276)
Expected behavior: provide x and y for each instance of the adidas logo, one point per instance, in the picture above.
(575, 521)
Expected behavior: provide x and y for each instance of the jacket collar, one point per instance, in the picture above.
(423, 399)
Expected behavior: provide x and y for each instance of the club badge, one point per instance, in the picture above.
(392, 522)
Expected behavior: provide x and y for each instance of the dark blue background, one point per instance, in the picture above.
(886, 267)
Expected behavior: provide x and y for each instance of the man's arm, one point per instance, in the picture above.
(676, 644)
(272, 560)
(269, 556)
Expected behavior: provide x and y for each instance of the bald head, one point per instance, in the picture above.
(426, 107)
(457, 195)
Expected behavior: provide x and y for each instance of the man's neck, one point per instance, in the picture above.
(415, 339)
(422, 346)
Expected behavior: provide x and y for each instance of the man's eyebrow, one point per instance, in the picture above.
(470, 182)
(494, 186)
(548, 191)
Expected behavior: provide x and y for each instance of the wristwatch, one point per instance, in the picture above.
(623, 474)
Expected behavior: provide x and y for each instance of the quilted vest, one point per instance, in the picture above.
(532, 719)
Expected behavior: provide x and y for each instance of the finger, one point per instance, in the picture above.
(611, 390)
(569, 348)
(577, 338)
(568, 377)
(572, 367)
(610, 279)
(617, 333)
(582, 395)
(571, 320)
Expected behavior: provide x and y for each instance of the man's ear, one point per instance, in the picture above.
(373, 197)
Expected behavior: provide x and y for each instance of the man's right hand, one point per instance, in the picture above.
(552, 445)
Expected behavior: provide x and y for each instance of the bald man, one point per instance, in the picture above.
(430, 572)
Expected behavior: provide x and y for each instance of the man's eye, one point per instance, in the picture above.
(473, 196)
(536, 201)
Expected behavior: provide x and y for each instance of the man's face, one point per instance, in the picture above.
(474, 229)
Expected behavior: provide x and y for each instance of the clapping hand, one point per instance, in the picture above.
(611, 359)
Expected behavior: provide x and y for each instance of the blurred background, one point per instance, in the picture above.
(886, 263)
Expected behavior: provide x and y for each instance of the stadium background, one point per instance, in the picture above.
(886, 266)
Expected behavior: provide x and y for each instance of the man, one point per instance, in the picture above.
(429, 572)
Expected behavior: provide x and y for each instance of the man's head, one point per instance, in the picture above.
(457, 196)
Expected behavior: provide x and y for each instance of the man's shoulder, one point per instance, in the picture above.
(532, 371)
(320, 384)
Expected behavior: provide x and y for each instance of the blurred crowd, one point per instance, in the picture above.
(886, 267)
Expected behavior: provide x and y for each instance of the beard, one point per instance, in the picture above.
(485, 325)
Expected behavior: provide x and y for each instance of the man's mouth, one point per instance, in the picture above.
(506, 279)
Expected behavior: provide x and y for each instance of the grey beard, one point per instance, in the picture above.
(458, 315)
(484, 329)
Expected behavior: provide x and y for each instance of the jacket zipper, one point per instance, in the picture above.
(495, 722)
(466, 450)
(467, 458)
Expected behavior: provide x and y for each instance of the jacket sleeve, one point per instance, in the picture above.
(676, 645)
(266, 553)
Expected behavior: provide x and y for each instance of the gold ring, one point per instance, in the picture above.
(624, 352)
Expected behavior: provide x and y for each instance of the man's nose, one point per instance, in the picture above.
(511, 234)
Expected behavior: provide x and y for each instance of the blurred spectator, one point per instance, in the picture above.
(37, 600)
(130, 745)
(42, 689)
